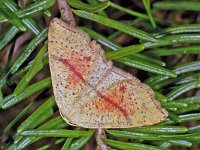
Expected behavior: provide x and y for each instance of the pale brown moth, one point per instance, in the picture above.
(90, 91)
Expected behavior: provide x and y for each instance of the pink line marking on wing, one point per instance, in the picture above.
(73, 68)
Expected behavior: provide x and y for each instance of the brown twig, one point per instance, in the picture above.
(100, 133)
(66, 12)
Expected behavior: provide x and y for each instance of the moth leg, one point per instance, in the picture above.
(100, 133)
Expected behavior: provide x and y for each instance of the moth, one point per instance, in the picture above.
(89, 91)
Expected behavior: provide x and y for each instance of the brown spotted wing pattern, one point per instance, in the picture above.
(90, 91)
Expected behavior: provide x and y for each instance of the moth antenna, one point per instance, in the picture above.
(66, 12)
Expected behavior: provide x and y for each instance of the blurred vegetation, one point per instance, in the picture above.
(157, 41)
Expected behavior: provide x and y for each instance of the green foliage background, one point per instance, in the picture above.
(160, 39)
